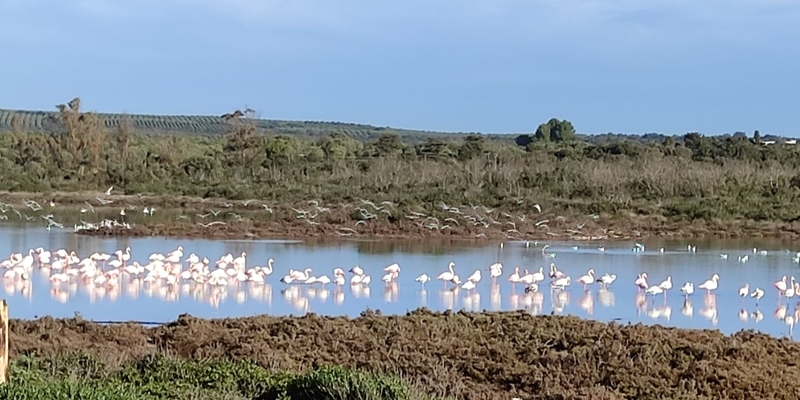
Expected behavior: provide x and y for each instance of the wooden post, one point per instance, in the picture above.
(4, 348)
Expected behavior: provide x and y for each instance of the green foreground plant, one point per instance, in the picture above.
(81, 376)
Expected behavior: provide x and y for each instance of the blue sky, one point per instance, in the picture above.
(627, 66)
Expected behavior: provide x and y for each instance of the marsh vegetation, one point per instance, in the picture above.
(688, 178)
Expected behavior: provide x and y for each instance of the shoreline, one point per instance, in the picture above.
(486, 353)
(338, 223)
(289, 231)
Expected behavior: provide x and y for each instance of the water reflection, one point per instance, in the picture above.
(127, 294)
(687, 309)
(709, 310)
(390, 292)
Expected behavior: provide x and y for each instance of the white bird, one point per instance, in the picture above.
(710, 284)
(389, 277)
(687, 289)
(744, 290)
(528, 278)
(447, 275)
(538, 276)
(495, 270)
(791, 290)
(666, 285)
(555, 273)
(641, 281)
(108, 191)
(339, 280)
(607, 279)
(757, 294)
(514, 277)
(654, 290)
(587, 279)
(323, 280)
(423, 279)
(468, 285)
(475, 277)
(393, 268)
(561, 283)
(781, 285)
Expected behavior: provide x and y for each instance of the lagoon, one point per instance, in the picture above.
(159, 302)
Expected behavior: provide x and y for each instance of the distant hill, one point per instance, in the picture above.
(205, 125)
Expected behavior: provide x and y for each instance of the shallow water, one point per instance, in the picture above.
(134, 300)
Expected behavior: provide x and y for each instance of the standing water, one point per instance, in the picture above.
(134, 298)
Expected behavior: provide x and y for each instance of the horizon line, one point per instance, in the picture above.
(117, 114)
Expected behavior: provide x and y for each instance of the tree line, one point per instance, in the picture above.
(691, 177)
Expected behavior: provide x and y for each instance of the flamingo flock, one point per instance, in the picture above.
(104, 270)
(171, 268)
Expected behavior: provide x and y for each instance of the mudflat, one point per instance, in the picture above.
(253, 219)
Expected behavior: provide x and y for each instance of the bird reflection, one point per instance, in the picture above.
(534, 302)
(472, 302)
(780, 312)
(790, 320)
(744, 316)
(390, 292)
(664, 311)
(320, 294)
(360, 291)
(9, 287)
(559, 301)
(513, 300)
(641, 303)
(757, 316)
(422, 296)
(261, 293)
(448, 297)
(587, 302)
(59, 295)
(495, 299)
(709, 311)
(606, 297)
(687, 308)
(338, 297)
(240, 296)
(294, 297)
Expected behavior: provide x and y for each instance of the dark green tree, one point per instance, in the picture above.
(473, 146)
(388, 144)
(555, 130)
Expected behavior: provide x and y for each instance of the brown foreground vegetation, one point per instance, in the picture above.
(181, 216)
(460, 355)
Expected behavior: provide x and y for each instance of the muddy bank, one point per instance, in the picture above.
(617, 230)
(472, 356)
(253, 219)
